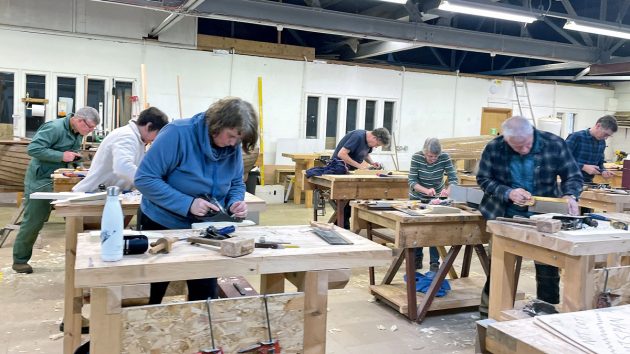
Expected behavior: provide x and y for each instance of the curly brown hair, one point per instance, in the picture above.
(234, 113)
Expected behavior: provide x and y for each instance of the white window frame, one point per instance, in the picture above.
(21, 93)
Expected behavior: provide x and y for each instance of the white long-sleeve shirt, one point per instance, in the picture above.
(116, 160)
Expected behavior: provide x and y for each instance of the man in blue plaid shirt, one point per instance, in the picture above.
(521, 163)
(588, 145)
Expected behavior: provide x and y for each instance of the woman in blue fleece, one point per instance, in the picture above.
(190, 158)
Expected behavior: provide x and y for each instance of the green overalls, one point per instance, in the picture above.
(46, 150)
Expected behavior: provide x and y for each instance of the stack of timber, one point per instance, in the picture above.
(465, 148)
(13, 163)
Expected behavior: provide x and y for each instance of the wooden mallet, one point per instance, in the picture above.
(163, 245)
(231, 247)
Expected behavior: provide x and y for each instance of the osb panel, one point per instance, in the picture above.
(237, 323)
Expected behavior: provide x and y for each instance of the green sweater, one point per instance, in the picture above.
(430, 175)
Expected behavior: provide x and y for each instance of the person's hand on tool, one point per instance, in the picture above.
(445, 192)
(239, 209)
(420, 189)
(520, 196)
(377, 165)
(591, 169)
(201, 207)
(574, 208)
(607, 174)
(68, 156)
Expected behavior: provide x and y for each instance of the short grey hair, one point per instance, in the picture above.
(433, 146)
(382, 135)
(88, 113)
(608, 122)
(517, 126)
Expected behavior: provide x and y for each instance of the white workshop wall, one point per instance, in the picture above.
(427, 104)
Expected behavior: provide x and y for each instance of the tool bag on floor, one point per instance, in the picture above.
(423, 282)
(333, 167)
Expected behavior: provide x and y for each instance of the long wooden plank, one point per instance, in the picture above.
(237, 323)
(243, 46)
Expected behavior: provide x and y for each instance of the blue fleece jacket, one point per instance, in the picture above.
(183, 164)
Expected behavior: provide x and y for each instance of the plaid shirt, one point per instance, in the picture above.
(586, 150)
(553, 159)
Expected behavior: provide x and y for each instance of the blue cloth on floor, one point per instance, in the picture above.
(423, 282)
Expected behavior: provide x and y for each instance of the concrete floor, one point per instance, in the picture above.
(32, 305)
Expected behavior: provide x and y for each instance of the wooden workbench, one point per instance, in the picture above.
(63, 183)
(74, 214)
(315, 257)
(344, 188)
(603, 331)
(573, 251)
(614, 181)
(303, 161)
(608, 202)
(410, 232)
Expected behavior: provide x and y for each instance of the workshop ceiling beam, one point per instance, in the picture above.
(536, 68)
(352, 25)
(345, 24)
(377, 48)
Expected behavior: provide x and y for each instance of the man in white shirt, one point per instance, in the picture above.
(120, 153)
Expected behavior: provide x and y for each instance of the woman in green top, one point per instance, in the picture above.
(426, 181)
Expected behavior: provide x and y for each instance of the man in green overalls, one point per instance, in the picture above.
(54, 146)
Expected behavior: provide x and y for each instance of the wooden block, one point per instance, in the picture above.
(542, 225)
(231, 247)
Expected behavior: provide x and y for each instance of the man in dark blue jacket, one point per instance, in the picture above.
(192, 158)
(588, 145)
(521, 163)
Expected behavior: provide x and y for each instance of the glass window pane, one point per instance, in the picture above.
(331, 122)
(351, 115)
(123, 102)
(312, 112)
(370, 113)
(66, 95)
(388, 120)
(7, 94)
(35, 88)
(96, 99)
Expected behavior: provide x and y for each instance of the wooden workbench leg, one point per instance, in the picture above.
(297, 186)
(466, 261)
(399, 257)
(308, 195)
(369, 237)
(502, 282)
(517, 275)
(272, 283)
(483, 258)
(73, 298)
(410, 271)
(315, 312)
(436, 283)
(579, 295)
(442, 251)
(105, 324)
(341, 204)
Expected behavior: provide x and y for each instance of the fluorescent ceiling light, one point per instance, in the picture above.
(597, 29)
(396, 1)
(479, 9)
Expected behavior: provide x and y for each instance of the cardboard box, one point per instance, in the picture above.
(271, 194)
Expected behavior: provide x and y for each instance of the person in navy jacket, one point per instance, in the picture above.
(190, 158)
